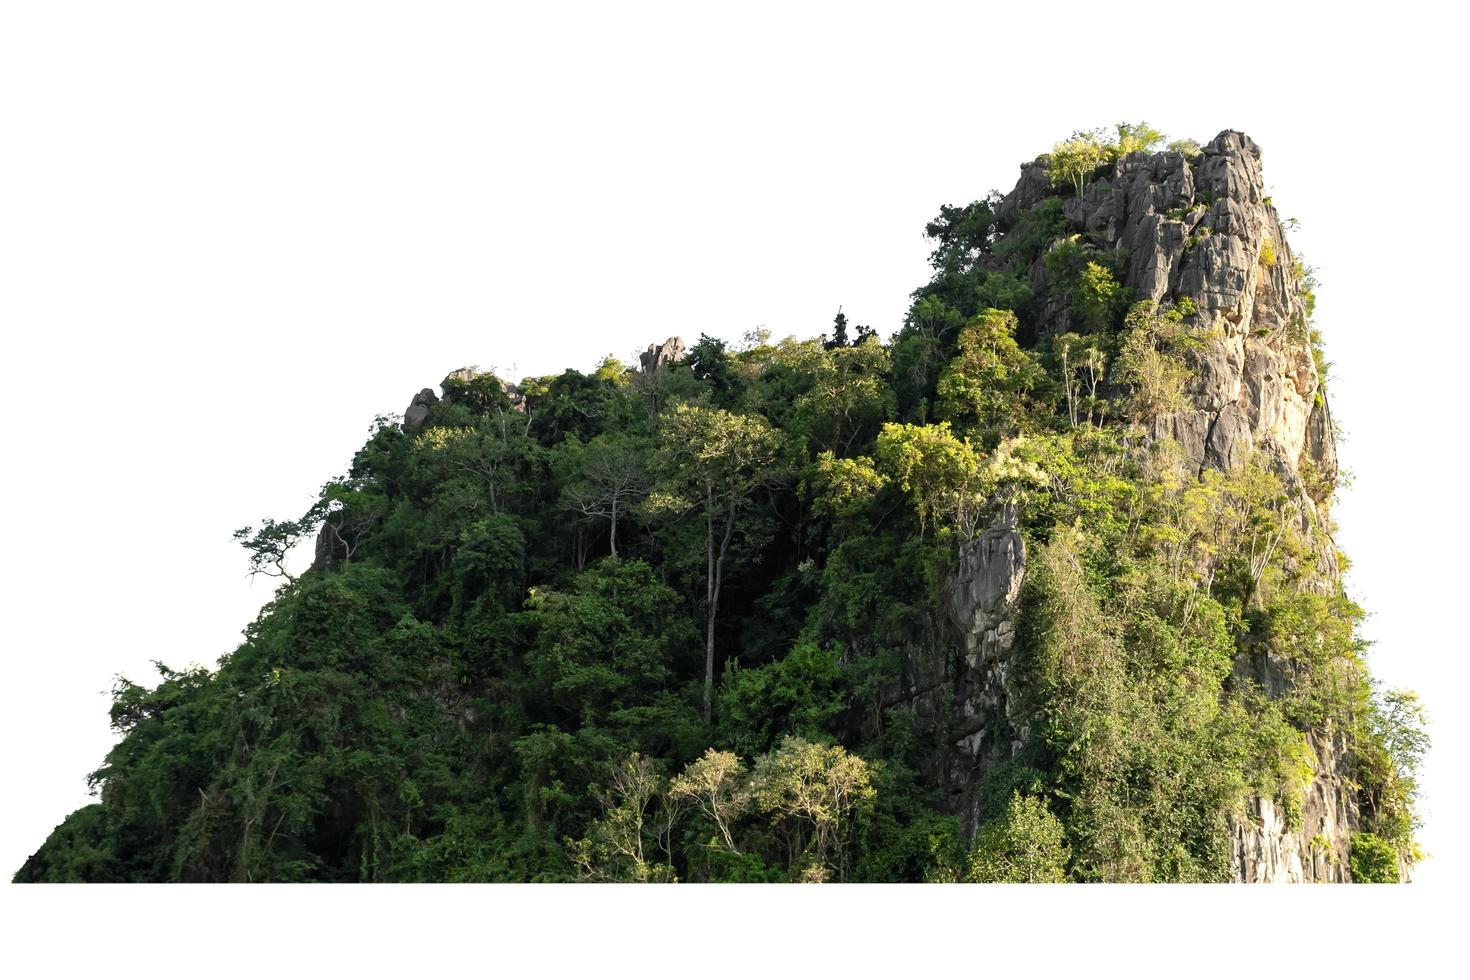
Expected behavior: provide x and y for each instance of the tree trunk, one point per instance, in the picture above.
(716, 579)
(711, 596)
(612, 529)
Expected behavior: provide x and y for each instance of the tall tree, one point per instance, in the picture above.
(848, 396)
(992, 384)
(839, 330)
(718, 459)
(613, 476)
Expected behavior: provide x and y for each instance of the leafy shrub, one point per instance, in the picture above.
(1026, 844)
(1373, 860)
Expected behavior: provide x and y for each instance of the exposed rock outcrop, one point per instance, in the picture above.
(661, 355)
(1274, 846)
(1199, 233)
(982, 602)
(417, 412)
(955, 671)
(1203, 234)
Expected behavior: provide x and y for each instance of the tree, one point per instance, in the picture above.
(1374, 861)
(1096, 297)
(1074, 271)
(920, 349)
(614, 475)
(613, 849)
(991, 381)
(1390, 752)
(1402, 724)
(350, 508)
(934, 466)
(608, 644)
(716, 784)
(848, 394)
(717, 459)
(813, 788)
(839, 330)
(480, 391)
(844, 487)
(1074, 160)
(1083, 363)
(1026, 844)
(485, 461)
(271, 543)
(962, 234)
(1151, 360)
(1134, 138)
(802, 693)
(1188, 147)
(488, 567)
(710, 362)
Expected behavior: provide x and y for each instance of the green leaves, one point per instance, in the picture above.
(270, 544)
(847, 392)
(992, 385)
(936, 468)
(1151, 360)
(718, 449)
(1027, 844)
(608, 643)
(801, 694)
(844, 488)
(1074, 160)
(1374, 860)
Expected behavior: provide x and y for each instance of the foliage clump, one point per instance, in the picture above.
(1075, 159)
(1026, 845)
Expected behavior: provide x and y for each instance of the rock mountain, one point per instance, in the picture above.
(1043, 588)
(1194, 232)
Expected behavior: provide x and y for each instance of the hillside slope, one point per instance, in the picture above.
(1043, 588)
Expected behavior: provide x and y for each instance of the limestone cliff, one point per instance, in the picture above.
(1200, 233)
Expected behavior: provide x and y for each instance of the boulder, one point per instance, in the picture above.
(418, 410)
(659, 356)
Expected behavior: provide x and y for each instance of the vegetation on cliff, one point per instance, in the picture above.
(651, 624)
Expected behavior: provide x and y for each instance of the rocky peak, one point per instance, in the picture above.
(1197, 232)
(1200, 233)
(417, 412)
(661, 355)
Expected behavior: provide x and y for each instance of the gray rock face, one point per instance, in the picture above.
(659, 356)
(1268, 845)
(1031, 190)
(1321, 444)
(981, 604)
(417, 412)
(330, 548)
(1229, 439)
(1204, 231)
(955, 671)
(1201, 231)
(1159, 247)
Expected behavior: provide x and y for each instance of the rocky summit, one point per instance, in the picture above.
(1042, 587)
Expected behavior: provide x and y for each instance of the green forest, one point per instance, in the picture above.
(656, 622)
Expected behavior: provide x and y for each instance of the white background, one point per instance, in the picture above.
(231, 234)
